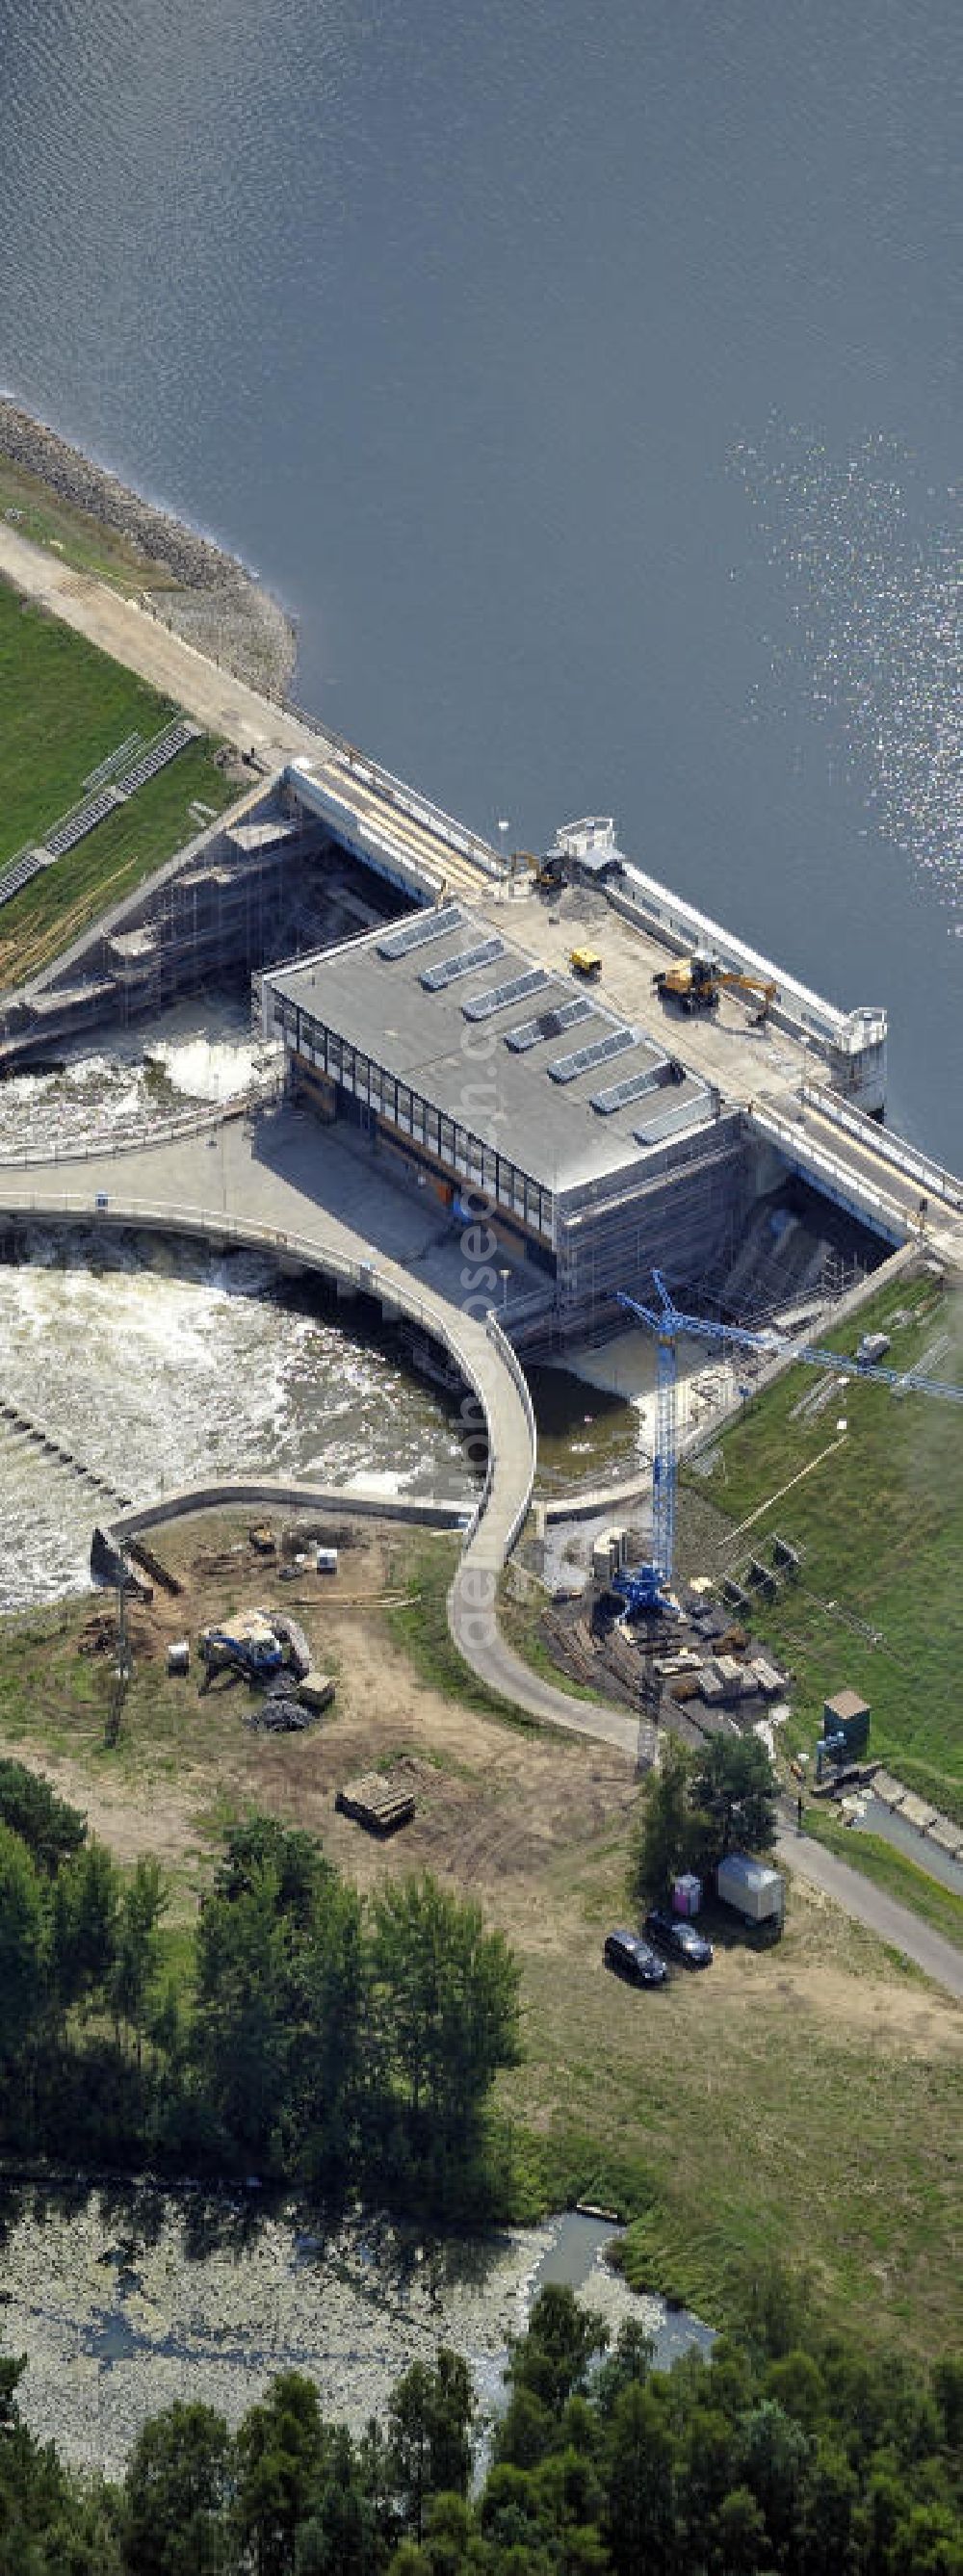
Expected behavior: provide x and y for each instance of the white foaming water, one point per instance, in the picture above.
(205, 1068)
(132, 1079)
(157, 1367)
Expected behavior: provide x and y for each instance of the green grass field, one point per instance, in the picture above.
(795, 2106)
(878, 1604)
(63, 707)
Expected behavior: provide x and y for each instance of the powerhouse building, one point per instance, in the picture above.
(503, 1083)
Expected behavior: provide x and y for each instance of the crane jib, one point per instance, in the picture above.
(668, 1325)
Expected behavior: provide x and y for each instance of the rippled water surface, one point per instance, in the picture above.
(586, 380)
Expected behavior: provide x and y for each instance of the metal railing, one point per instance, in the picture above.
(511, 1361)
(886, 1147)
(131, 1139)
(846, 1185)
(396, 791)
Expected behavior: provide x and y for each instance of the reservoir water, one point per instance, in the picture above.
(588, 385)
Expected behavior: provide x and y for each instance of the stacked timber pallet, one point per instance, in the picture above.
(378, 1802)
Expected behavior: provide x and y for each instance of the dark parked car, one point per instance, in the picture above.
(632, 1958)
(680, 1938)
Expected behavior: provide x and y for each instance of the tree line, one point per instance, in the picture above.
(781, 2457)
(299, 2032)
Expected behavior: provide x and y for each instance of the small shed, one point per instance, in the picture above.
(752, 1888)
(848, 1716)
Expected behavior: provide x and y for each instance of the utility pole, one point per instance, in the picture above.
(123, 1668)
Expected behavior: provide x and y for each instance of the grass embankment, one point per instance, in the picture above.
(420, 1629)
(65, 706)
(779, 2107)
(521, 1604)
(799, 2103)
(877, 1606)
(39, 514)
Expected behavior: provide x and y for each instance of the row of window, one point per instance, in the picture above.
(461, 1153)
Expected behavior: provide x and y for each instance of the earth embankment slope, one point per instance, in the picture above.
(207, 594)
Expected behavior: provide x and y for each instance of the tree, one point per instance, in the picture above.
(738, 2539)
(86, 1901)
(136, 1947)
(297, 1860)
(553, 2360)
(178, 2493)
(430, 2418)
(242, 2041)
(732, 1792)
(443, 2008)
(342, 2536)
(325, 2004)
(281, 2451)
(23, 1948)
(640, 2520)
(666, 1837)
(52, 1831)
(775, 2456)
(630, 2362)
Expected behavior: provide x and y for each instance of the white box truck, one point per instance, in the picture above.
(753, 1889)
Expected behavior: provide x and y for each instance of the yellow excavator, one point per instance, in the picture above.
(696, 983)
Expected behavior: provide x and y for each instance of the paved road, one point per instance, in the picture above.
(929, 1950)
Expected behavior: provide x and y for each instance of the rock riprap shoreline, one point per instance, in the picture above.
(213, 601)
(123, 2303)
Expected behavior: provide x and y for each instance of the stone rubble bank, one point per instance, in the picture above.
(215, 603)
(120, 2311)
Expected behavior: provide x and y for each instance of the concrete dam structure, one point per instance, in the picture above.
(504, 1035)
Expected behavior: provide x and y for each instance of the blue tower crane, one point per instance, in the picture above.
(646, 1587)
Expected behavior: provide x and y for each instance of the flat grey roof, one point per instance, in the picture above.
(463, 1066)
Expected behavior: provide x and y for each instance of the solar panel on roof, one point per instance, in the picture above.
(449, 969)
(482, 1005)
(672, 1114)
(416, 934)
(585, 1058)
(549, 1024)
(633, 1088)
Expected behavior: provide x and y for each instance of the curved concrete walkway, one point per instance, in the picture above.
(167, 1188)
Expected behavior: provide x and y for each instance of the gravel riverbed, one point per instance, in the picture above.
(124, 2302)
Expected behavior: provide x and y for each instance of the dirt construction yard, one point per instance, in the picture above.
(800, 2103)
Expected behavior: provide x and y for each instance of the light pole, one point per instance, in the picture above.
(503, 826)
(504, 1276)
